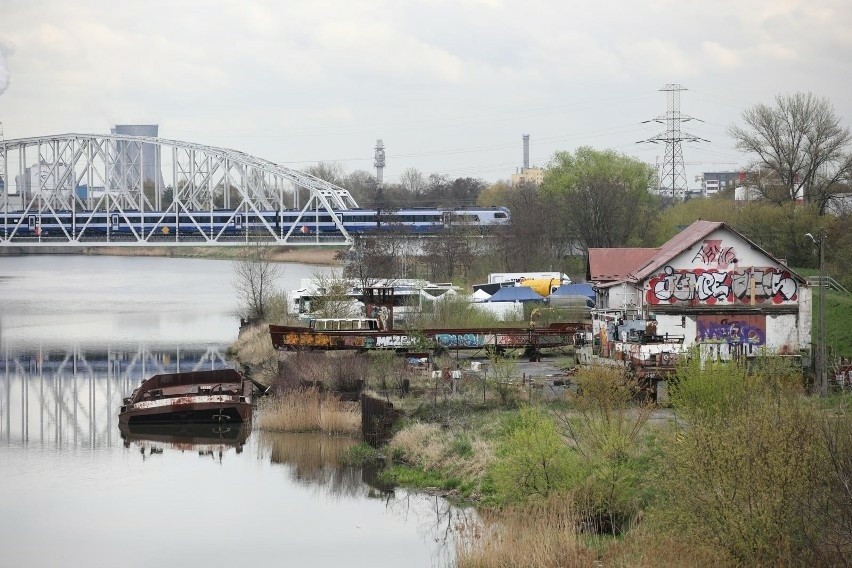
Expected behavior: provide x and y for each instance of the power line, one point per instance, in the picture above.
(673, 167)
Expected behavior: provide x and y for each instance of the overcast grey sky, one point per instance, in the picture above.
(450, 86)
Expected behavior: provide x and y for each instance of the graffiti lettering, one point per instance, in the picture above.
(721, 286)
(395, 341)
(712, 285)
(736, 332)
(712, 252)
(460, 340)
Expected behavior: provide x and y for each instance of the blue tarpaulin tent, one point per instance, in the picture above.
(584, 289)
(515, 294)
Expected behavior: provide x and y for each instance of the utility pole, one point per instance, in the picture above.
(673, 167)
(821, 357)
(823, 377)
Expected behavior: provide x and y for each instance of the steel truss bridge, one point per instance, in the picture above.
(69, 397)
(46, 180)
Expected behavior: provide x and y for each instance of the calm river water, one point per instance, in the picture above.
(77, 334)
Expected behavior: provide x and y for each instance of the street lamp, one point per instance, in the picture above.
(821, 376)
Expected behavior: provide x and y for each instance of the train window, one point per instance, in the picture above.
(500, 215)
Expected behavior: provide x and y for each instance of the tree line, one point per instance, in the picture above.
(800, 172)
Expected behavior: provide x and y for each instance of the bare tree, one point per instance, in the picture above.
(413, 181)
(537, 237)
(255, 277)
(803, 145)
(332, 172)
(364, 188)
(334, 298)
(450, 254)
(372, 260)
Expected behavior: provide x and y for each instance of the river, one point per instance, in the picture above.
(77, 334)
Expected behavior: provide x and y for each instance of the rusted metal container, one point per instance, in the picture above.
(222, 395)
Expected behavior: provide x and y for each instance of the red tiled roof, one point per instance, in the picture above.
(636, 264)
(612, 264)
(694, 233)
(673, 247)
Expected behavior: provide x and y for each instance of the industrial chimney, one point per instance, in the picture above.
(526, 151)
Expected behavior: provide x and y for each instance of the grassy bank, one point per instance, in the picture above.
(744, 469)
(838, 322)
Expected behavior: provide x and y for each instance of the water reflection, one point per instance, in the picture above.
(316, 460)
(71, 396)
(209, 440)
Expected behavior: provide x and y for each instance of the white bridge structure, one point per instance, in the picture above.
(102, 190)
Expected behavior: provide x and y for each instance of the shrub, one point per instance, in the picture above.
(503, 378)
(340, 372)
(605, 426)
(533, 460)
(710, 389)
(742, 480)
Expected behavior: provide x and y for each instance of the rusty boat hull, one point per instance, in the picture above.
(220, 396)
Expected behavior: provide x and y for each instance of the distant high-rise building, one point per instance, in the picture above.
(134, 161)
(714, 182)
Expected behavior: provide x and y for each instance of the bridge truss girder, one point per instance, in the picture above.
(45, 176)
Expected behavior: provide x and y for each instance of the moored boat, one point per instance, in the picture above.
(222, 395)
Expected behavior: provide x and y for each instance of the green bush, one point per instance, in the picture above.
(606, 426)
(743, 480)
(708, 389)
(533, 460)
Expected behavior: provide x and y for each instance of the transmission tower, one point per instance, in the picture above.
(380, 162)
(673, 169)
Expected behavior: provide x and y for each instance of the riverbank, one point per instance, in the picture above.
(736, 473)
(317, 256)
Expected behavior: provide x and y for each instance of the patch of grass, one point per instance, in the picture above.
(838, 315)
(361, 454)
(309, 411)
(542, 534)
(409, 476)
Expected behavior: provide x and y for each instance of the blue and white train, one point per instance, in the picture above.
(230, 222)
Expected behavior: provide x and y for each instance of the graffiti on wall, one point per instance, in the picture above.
(699, 285)
(733, 330)
(713, 252)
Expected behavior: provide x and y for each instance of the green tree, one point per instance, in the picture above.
(495, 194)
(603, 195)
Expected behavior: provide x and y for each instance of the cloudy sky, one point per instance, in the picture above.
(450, 86)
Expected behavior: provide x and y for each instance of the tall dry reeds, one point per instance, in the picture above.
(309, 411)
(541, 534)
